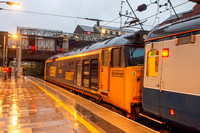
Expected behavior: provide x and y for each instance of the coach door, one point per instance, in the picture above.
(152, 78)
(105, 72)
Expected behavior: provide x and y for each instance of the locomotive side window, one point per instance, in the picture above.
(104, 57)
(86, 73)
(122, 57)
(73, 70)
(94, 73)
(117, 59)
(79, 74)
(152, 63)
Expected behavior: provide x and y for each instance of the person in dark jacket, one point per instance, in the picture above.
(9, 72)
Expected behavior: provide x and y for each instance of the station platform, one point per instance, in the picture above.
(31, 105)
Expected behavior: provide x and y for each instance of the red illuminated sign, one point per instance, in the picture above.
(33, 48)
(88, 32)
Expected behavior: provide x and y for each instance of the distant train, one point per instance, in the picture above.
(165, 89)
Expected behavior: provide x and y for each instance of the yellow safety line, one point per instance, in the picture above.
(73, 113)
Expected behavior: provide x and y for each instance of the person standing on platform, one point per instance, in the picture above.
(15, 67)
(9, 72)
(4, 71)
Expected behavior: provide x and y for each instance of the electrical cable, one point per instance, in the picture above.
(79, 9)
(55, 15)
(66, 16)
(111, 21)
(165, 10)
(156, 15)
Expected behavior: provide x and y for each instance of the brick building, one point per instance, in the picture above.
(99, 30)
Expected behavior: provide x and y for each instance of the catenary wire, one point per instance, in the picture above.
(67, 16)
(48, 14)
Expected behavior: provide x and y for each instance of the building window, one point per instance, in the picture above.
(117, 33)
(152, 63)
(111, 32)
(106, 32)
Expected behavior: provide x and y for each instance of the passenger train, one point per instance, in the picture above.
(153, 77)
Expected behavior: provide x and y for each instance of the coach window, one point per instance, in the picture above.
(86, 73)
(104, 57)
(117, 57)
(152, 63)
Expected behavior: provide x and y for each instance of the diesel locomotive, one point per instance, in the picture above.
(111, 70)
(159, 83)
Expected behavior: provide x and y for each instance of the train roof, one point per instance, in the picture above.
(132, 38)
(183, 25)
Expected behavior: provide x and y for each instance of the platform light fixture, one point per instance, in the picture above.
(13, 4)
(103, 31)
(15, 36)
(13, 46)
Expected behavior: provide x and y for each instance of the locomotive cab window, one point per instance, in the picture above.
(135, 56)
(152, 63)
(117, 57)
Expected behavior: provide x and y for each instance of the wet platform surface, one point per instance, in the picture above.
(26, 107)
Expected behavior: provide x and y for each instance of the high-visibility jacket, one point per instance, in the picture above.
(5, 69)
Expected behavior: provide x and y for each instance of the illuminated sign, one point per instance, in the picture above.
(88, 32)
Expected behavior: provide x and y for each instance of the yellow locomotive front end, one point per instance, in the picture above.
(121, 77)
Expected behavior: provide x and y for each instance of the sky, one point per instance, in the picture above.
(98, 9)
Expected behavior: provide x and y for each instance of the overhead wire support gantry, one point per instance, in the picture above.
(135, 15)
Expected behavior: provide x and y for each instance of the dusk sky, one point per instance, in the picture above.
(98, 9)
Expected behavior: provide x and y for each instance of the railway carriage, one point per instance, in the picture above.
(172, 69)
(111, 70)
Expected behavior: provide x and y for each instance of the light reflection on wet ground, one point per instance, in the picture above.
(26, 108)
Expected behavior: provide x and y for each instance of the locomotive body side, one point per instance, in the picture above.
(104, 72)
